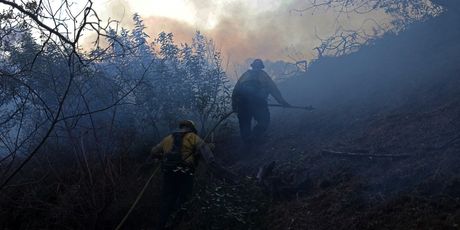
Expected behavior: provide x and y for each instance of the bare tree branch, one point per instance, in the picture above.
(34, 17)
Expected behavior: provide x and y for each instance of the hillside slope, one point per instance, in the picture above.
(398, 100)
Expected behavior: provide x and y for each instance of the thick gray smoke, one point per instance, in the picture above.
(241, 30)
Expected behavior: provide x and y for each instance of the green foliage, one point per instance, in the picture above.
(113, 107)
(177, 82)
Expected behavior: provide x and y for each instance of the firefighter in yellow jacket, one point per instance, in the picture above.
(249, 100)
(179, 152)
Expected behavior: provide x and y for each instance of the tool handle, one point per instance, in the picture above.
(293, 106)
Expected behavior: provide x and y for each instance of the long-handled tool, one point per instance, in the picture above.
(139, 196)
(293, 107)
(227, 115)
(155, 171)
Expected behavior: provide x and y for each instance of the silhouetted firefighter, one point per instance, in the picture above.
(249, 100)
(180, 152)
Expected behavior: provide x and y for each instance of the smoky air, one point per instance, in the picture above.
(230, 115)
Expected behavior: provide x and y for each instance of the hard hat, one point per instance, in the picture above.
(257, 64)
(188, 124)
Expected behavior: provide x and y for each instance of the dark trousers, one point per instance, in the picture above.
(177, 189)
(257, 110)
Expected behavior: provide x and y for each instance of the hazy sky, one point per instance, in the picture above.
(241, 29)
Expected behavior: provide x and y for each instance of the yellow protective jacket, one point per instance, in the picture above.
(265, 83)
(192, 144)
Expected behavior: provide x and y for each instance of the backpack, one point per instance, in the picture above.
(173, 161)
(251, 87)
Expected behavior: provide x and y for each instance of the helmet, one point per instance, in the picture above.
(257, 64)
(188, 124)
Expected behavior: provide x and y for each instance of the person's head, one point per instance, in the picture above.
(257, 64)
(187, 124)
